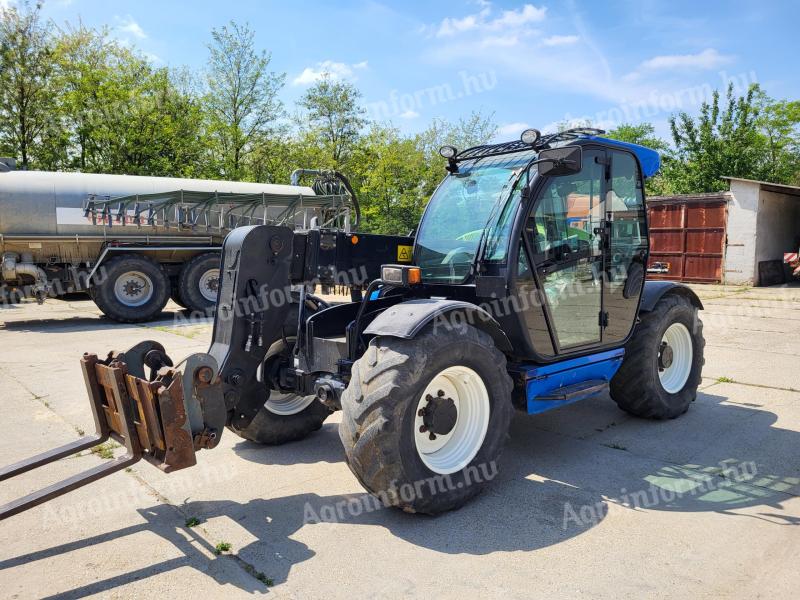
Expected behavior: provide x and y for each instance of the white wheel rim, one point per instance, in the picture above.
(675, 376)
(451, 452)
(133, 288)
(288, 404)
(208, 284)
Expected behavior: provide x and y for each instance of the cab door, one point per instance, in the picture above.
(627, 245)
(564, 235)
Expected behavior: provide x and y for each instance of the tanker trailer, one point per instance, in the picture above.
(133, 242)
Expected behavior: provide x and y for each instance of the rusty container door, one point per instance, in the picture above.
(687, 238)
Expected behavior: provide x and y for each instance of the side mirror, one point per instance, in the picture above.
(560, 161)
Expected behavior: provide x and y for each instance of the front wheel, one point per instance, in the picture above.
(425, 420)
(663, 362)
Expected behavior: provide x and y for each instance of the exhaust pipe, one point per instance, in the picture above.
(11, 271)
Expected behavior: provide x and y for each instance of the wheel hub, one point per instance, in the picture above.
(439, 416)
(665, 356)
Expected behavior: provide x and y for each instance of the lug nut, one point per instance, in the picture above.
(432, 436)
(440, 393)
(421, 412)
(422, 429)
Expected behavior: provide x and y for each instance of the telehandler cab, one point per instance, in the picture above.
(523, 287)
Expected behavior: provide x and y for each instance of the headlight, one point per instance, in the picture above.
(401, 275)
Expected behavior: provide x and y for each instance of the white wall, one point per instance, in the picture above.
(740, 266)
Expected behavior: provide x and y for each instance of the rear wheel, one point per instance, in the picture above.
(199, 281)
(663, 362)
(424, 420)
(134, 288)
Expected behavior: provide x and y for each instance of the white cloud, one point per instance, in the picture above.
(409, 114)
(707, 59)
(128, 25)
(561, 40)
(5, 4)
(335, 70)
(483, 21)
(511, 130)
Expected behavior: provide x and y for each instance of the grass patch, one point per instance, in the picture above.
(222, 547)
(192, 522)
(105, 450)
(267, 581)
(725, 380)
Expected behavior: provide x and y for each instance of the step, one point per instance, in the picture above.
(584, 389)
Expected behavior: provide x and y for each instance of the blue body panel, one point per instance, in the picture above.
(648, 158)
(544, 379)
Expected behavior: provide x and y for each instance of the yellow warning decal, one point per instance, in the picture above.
(404, 253)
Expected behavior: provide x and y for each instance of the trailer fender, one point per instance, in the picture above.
(655, 290)
(407, 319)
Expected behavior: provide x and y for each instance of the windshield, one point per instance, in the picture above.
(459, 213)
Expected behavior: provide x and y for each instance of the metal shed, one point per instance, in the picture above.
(687, 237)
(736, 237)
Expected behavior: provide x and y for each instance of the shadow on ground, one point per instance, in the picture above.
(529, 506)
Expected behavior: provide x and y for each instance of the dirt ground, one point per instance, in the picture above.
(588, 500)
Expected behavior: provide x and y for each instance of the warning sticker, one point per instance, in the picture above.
(404, 253)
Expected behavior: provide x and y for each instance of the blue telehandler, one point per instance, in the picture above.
(523, 287)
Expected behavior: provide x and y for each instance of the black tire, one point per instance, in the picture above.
(105, 296)
(190, 280)
(636, 387)
(273, 429)
(379, 410)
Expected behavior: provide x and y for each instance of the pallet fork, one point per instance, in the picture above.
(164, 418)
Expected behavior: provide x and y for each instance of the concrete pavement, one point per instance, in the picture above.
(589, 501)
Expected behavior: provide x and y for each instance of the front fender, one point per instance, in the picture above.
(407, 319)
(655, 290)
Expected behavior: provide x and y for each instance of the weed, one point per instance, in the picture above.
(724, 380)
(105, 450)
(192, 522)
(222, 547)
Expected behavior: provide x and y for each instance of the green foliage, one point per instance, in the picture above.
(333, 118)
(75, 98)
(26, 86)
(242, 104)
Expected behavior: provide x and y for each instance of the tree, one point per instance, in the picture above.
(26, 93)
(779, 124)
(721, 141)
(334, 116)
(388, 174)
(643, 134)
(242, 100)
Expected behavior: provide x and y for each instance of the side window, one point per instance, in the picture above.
(625, 201)
(568, 211)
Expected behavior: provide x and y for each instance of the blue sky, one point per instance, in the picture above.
(530, 63)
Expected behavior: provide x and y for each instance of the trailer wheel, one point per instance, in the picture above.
(199, 282)
(663, 361)
(425, 420)
(134, 288)
(284, 417)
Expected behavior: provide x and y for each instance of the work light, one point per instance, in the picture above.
(530, 136)
(448, 152)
